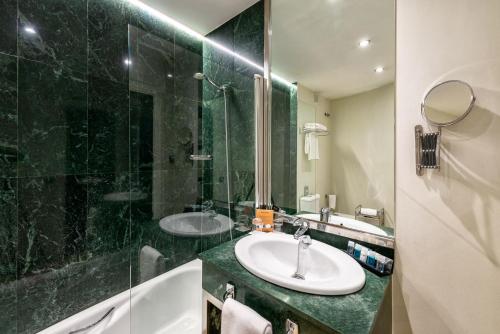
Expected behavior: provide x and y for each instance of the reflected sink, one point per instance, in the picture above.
(347, 222)
(193, 224)
(273, 257)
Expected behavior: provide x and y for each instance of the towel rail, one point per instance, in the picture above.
(316, 132)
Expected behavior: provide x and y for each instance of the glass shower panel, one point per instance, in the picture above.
(106, 132)
(191, 147)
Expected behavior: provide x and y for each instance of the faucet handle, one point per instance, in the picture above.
(301, 222)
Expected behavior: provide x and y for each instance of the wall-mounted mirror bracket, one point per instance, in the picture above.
(445, 104)
(427, 149)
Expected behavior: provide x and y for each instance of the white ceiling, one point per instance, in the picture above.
(202, 16)
(315, 43)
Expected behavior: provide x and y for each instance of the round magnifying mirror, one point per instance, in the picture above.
(448, 103)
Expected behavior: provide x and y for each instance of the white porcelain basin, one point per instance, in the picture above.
(273, 257)
(192, 224)
(347, 222)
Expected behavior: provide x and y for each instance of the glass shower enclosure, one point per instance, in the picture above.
(127, 148)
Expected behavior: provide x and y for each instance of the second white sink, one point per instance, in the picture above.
(273, 257)
(195, 224)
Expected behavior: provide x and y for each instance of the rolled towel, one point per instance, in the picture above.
(151, 263)
(332, 201)
(368, 212)
(240, 319)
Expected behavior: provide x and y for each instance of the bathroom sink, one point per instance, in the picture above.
(347, 222)
(273, 257)
(192, 224)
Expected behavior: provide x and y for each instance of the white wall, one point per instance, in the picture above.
(447, 277)
(362, 140)
(314, 173)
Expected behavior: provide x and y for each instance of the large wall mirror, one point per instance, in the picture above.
(333, 133)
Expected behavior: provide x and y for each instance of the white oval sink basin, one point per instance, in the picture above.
(273, 257)
(347, 222)
(192, 224)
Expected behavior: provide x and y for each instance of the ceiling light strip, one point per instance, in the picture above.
(197, 35)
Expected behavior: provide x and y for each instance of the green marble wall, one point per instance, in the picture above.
(82, 184)
(244, 34)
(284, 146)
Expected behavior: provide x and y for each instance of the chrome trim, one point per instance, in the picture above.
(455, 121)
(343, 231)
(435, 151)
(200, 157)
(84, 329)
(263, 98)
(262, 162)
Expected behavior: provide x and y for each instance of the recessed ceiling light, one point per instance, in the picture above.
(379, 69)
(364, 43)
(127, 62)
(170, 75)
(30, 30)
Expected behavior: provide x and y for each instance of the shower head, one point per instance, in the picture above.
(202, 76)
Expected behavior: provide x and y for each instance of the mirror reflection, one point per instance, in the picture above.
(448, 102)
(340, 134)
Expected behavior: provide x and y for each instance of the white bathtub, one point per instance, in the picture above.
(168, 304)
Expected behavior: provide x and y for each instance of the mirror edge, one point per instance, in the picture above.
(458, 119)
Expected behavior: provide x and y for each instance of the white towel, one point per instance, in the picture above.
(151, 263)
(368, 212)
(240, 319)
(311, 146)
(315, 127)
(332, 201)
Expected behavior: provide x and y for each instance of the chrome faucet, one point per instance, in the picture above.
(303, 227)
(302, 257)
(304, 242)
(208, 207)
(324, 217)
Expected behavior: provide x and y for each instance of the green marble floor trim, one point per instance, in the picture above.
(350, 314)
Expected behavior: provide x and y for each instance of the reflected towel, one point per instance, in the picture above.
(151, 263)
(368, 212)
(332, 201)
(315, 127)
(311, 146)
(240, 319)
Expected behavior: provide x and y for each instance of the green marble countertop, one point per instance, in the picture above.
(350, 314)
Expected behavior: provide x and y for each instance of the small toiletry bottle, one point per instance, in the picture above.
(364, 254)
(380, 263)
(350, 247)
(267, 217)
(370, 260)
(357, 251)
(257, 224)
(388, 265)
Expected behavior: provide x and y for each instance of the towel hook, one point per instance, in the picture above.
(291, 327)
(230, 291)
